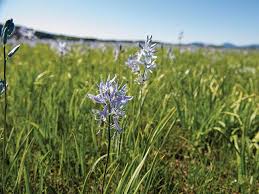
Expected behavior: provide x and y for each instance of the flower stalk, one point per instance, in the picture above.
(108, 149)
(113, 99)
(7, 32)
(5, 121)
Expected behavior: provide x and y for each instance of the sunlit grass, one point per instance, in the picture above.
(181, 134)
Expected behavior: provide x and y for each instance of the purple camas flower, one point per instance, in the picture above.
(147, 54)
(145, 57)
(113, 98)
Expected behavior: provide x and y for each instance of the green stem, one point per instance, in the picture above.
(108, 149)
(120, 143)
(5, 122)
(141, 104)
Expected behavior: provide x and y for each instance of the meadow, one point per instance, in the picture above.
(191, 128)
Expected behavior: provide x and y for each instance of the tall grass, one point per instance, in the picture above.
(198, 131)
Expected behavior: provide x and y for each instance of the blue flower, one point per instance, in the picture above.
(145, 57)
(113, 98)
(147, 54)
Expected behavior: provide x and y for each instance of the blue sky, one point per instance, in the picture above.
(209, 21)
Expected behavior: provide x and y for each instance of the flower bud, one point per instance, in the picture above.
(13, 51)
(9, 25)
(7, 30)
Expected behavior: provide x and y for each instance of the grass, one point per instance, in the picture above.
(193, 128)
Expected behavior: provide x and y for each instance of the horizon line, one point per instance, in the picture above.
(133, 40)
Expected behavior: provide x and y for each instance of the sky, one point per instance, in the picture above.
(208, 21)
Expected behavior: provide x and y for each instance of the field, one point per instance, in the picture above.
(191, 128)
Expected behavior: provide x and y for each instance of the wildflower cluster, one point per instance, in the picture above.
(113, 98)
(144, 58)
(27, 33)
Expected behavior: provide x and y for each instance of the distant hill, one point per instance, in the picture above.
(229, 45)
(51, 36)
